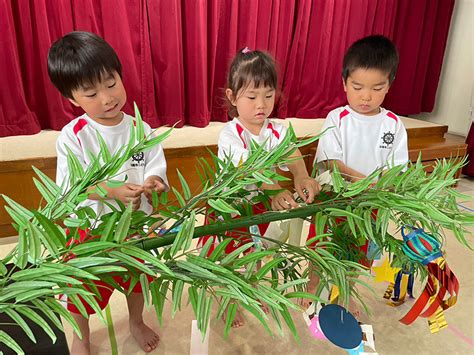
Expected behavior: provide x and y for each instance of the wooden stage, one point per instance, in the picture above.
(16, 174)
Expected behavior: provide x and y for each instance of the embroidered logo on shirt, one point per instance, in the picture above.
(387, 140)
(138, 160)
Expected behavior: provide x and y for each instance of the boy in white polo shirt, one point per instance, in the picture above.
(364, 136)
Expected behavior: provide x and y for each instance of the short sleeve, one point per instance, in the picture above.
(330, 144)
(155, 161)
(399, 154)
(67, 139)
(230, 145)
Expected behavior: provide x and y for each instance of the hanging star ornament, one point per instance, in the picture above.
(385, 272)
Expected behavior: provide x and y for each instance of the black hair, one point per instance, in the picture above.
(80, 59)
(372, 52)
(251, 66)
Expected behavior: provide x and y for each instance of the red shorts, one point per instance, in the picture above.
(105, 290)
(239, 234)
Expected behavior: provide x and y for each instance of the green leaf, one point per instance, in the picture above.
(154, 200)
(146, 256)
(184, 184)
(266, 268)
(104, 150)
(10, 342)
(92, 247)
(74, 222)
(88, 261)
(53, 188)
(32, 315)
(56, 234)
(180, 198)
(177, 292)
(21, 322)
(48, 313)
(48, 196)
(145, 288)
(139, 122)
(222, 206)
(289, 321)
(115, 183)
(23, 248)
(22, 211)
(55, 306)
(231, 311)
(132, 262)
(107, 234)
(123, 225)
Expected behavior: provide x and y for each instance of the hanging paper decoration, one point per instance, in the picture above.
(334, 323)
(385, 272)
(423, 247)
(400, 288)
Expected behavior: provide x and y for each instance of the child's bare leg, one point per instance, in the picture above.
(238, 320)
(144, 335)
(81, 346)
(310, 287)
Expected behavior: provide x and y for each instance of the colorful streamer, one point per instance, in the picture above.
(423, 247)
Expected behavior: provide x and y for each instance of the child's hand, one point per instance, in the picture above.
(307, 188)
(127, 193)
(283, 201)
(153, 183)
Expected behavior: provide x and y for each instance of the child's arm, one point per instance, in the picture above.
(154, 183)
(349, 174)
(305, 186)
(126, 193)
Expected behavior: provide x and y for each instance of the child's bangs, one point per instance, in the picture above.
(257, 75)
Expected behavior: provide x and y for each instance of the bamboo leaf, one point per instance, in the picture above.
(231, 311)
(222, 206)
(32, 315)
(104, 150)
(56, 236)
(21, 322)
(123, 225)
(23, 248)
(143, 255)
(53, 188)
(107, 234)
(180, 198)
(10, 342)
(48, 313)
(184, 184)
(139, 122)
(132, 262)
(19, 209)
(145, 288)
(177, 292)
(289, 322)
(48, 196)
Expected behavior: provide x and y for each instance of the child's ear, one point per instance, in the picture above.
(344, 84)
(230, 96)
(74, 102)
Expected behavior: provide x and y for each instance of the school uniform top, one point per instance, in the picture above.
(80, 136)
(364, 143)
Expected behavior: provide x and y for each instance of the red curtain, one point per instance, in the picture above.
(175, 53)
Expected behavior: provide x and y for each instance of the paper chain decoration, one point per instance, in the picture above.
(423, 247)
